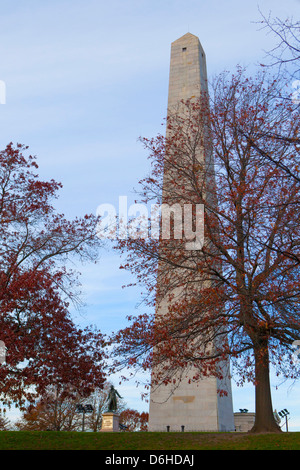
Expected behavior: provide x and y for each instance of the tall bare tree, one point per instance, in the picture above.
(240, 281)
(286, 52)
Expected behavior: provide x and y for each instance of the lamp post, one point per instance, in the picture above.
(84, 409)
(284, 414)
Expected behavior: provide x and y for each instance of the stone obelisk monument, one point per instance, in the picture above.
(194, 406)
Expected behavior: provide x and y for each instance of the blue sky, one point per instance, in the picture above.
(84, 79)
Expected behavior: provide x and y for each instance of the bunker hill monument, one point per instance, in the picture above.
(196, 406)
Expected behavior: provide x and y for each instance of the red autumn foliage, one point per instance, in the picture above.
(241, 290)
(43, 346)
(134, 420)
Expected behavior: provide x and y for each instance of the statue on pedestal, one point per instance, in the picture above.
(110, 419)
(112, 399)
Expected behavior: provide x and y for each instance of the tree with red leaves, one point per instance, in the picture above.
(43, 346)
(240, 291)
(133, 420)
(50, 413)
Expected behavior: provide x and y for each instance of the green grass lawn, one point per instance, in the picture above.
(26, 440)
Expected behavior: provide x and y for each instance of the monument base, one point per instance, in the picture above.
(110, 422)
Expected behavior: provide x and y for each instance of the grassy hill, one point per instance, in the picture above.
(35, 440)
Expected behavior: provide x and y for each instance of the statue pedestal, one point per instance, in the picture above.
(110, 422)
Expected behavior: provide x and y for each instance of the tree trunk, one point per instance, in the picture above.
(264, 416)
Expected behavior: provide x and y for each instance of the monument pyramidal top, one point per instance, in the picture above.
(187, 37)
(188, 75)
